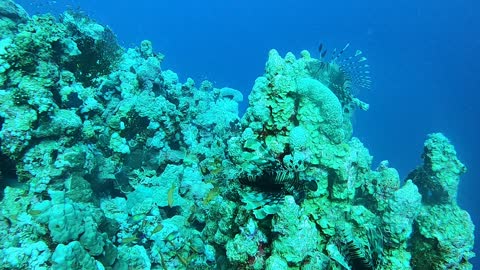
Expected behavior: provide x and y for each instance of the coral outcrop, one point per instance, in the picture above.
(111, 162)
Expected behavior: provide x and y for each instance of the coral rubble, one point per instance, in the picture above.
(117, 164)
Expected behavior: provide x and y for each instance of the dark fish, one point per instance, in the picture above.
(324, 53)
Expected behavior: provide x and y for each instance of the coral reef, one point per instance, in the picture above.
(111, 162)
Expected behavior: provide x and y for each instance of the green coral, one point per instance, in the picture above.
(443, 238)
(439, 176)
(326, 108)
(72, 256)
(298, 238)
(120, 164)
(441, 227)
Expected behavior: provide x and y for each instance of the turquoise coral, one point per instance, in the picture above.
(439, 176)
(120, 165)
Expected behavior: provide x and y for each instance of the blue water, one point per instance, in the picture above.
(424, 58)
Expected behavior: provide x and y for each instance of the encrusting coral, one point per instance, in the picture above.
(111, 162)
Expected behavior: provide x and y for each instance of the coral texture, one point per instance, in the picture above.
(109, 161)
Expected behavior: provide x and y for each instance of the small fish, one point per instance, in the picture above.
(211, 195)
(34, 213)
(170, 194)
(157, 229)
(169, 238)
(137, 218)
(128, 240)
